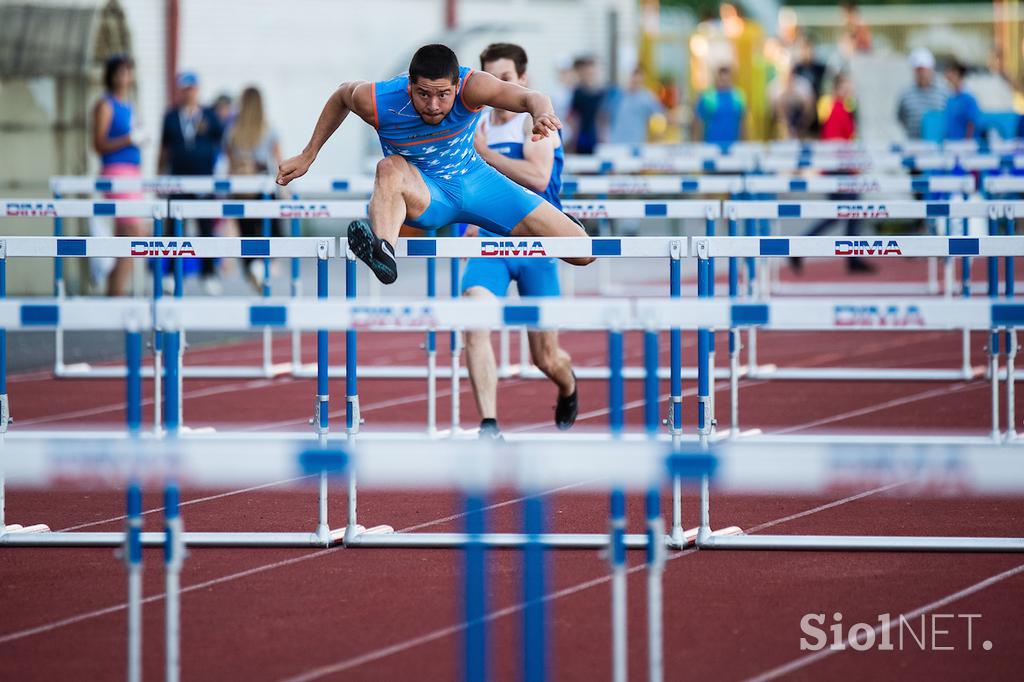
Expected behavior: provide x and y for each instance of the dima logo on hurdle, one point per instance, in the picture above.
(845, 315)
(863, 247)
(157, 247)
(862, 211)
(30, 210)
(305, 211)
(507, 248)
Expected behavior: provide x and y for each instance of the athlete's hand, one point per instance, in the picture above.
(471, 231)
(292, 168)
(544, 125)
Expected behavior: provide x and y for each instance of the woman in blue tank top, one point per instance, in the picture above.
(116, 139)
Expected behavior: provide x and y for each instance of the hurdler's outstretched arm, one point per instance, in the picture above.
(355, 96)
(483, 89)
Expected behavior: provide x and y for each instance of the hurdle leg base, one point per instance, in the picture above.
(18, 528)
(349, 534)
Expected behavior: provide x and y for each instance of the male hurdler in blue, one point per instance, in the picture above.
(431, 176)
(462, 187)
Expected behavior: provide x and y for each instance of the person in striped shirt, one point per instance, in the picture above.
(923, 96)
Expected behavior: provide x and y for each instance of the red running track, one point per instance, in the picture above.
(396, 614)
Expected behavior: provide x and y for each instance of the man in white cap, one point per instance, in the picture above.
(923, 96)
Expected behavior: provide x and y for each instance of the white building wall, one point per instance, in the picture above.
(297, 51)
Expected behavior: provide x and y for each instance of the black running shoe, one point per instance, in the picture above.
(378, 255)
(567, 408)
(489, 431)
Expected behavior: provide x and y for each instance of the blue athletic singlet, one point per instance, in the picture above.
(463, 188)
(120, 125)
(441, 151)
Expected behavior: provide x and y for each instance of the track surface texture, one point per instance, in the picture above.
(373, 614)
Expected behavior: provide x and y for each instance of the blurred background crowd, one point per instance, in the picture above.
(192, 87)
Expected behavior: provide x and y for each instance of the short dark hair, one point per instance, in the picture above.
(113, 64)
(496, 51)
(957, 67)
(434, 62)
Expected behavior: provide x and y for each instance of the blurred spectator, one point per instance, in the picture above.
(923, 96)
(561, 95)
(632, 109)
(838, 111)
(794, 106)
(961, 109)
(586, 109)
(252, 149)
(117, 138)
(856, 34)
(223, 109)
(721, 112)
(808, 67)
(189, 145)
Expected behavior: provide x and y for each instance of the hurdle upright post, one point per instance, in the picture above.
(1011, 336)
(705, 418)
(535, 631)
(475, 588)
(296, 291)
(617, 558)
(174, 558)
(5, 407)
(431, 347)
(617, 522)
(456, 348)
(675, 414)
(268, 334)
(993, 294)
(735, 340)
(655, 571)
(352, 418)
(321, 411)
(158, 353)
(709, 229)
(132, 556)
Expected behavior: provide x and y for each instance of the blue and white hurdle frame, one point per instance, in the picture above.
(805, 148)
(753, 248)
(791, 163)
(163, 187)
(860, 189)
(474, 469)
(853, 313)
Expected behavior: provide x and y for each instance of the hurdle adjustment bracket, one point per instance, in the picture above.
(702, 247)
(5, 413)
(352, 401)
(318, 403)
(709, 420)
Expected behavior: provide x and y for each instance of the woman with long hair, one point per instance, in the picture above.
(117, 138)
(252, 149)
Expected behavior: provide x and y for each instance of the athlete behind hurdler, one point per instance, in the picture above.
(505, 141)
(430, 175)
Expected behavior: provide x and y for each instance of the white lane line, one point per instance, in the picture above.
(804, 661)
(914, 397)
(186, 503)
(47, 627)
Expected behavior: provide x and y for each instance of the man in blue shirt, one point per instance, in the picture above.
(503, 140)
(962, 109)
(721, 112)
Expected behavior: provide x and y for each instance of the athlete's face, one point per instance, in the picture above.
(505, 69)
(433, 98)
